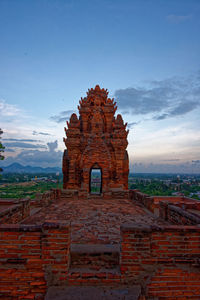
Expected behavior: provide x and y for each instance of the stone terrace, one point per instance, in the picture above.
(95, 220)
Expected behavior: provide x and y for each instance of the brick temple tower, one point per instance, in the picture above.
(96, 140)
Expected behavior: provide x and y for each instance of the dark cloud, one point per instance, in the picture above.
(52, 146)
(196, 161)
(181, 109)
(132, 124)
(164, 99)
(41, 133)
(24, 145)
(43, 158)
(161, 117)
(62, 117)
(140, 101)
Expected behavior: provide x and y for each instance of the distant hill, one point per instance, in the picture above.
(17, 168)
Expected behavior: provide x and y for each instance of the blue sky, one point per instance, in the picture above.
(146, 53)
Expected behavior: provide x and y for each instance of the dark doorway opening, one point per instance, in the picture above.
(95, 181)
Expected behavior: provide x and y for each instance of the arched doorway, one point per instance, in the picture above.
(95, 180)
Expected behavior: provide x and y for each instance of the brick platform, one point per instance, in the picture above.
(95, 220)
(74, 247)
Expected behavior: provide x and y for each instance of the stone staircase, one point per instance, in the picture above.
(94, 264)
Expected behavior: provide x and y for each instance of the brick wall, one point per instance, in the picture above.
(55, 252)
(13, 211)
(148, 253)
(45, 199)
(32, 258)
(174, 283)
(145, 199)
(165, 207)
(177, 215)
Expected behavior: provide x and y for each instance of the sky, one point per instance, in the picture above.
(145, 52)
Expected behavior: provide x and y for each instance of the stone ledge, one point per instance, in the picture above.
(10, 209)
(185, 213)
(91, 292)
(151, 228)
(20, 227)
(135, 227)
(23, 227)
(92, 249)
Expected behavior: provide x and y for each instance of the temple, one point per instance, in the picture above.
(96, 140)
(69, 244)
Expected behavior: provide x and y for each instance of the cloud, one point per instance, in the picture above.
(196, 161)
(176, 159)
(17, 143)
(163, 99)
(23, 145)
(161, 117)
(21, 140)
(179, 110)
(52, 146)
(182, 168)
(132, 124)
(8, 110)
(43, 158)
(62, 117)
(40, 133)
(8, 150)
(178, 18)
(140, 101)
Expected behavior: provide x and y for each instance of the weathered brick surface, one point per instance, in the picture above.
(45, 199)
(55, 253)
(175, 210)
(96, 140)
(154, 254)
(13, 211)
(21, 263)
(95, 220)
(31, 258)
(148, 253)
(94, 278)
(94, 257)
(177, 215)
(174, 283)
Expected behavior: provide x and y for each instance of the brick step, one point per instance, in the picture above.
(94, 257)
(87, 276)
(91, 292)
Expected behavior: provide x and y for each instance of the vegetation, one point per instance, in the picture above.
(152, 188)
(15, 185)
(166, 184)
(21, 190)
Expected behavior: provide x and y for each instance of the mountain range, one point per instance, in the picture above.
(17, 168)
